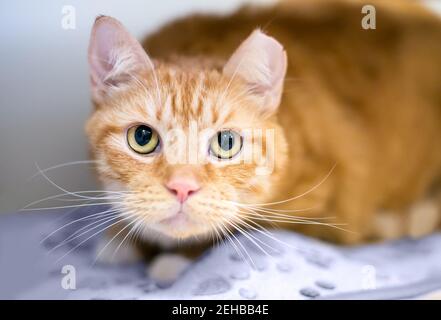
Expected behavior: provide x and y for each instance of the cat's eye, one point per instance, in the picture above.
(226, 144)
(142, 139)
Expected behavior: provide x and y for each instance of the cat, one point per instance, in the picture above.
(336, 120)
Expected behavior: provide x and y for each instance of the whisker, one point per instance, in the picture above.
(137, 233)
(88, 238)
(274, 215)
(75, 235)
(77, 220)
(113, 238)
(52, 182)
(298, 196)
(121, 194)
(243, 248)
(105, 217)
(69, 212)
(282, 210)
(267, 233)
(132, 231)
(215, 235)
(142, 86)
(232, 78)
(335, 226)
(56, 185)
(227, 236)
(289, 219)
(61, 165)
(248, 210)
(88, 201)
(158, 90)
(251, 238)
(72, 206)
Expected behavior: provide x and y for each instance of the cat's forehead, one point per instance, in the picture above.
(193, 96)
(204, 97)
(171, 98)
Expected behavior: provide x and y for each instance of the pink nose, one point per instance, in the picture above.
(182, 188)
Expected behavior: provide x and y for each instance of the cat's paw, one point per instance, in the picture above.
(388, 225)
(111, 252)
(424, 218)
(166, 268)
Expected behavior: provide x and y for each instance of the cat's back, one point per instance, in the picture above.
(324, 39)
(320, 27)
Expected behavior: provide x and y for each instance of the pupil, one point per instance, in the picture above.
(225, 140)
(143, 135)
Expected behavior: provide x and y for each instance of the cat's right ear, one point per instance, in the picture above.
(261, 61)
(115, 57)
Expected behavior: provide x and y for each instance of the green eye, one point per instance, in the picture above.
(226, 144)
(142, 139)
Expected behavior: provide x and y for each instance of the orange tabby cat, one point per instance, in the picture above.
(314, 113)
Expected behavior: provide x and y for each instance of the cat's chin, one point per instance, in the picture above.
(179, 227)
(178, 220)
(170, 240)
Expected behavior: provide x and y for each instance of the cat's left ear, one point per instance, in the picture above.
(261, 61)
(115, 57)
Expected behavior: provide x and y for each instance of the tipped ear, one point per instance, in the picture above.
(261, 61)
(114, 56)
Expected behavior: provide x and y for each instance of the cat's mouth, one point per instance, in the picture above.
(180, 225)
(178, 219)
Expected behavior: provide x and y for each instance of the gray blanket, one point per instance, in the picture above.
(292, 267)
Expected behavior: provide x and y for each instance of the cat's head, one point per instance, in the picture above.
(185, 144)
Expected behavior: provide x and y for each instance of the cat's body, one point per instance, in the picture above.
(357, 131)
(366, 100)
